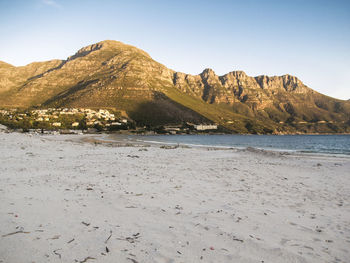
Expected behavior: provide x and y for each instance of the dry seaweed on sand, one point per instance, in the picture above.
(16, 232)
(108, 237)
(85, 259)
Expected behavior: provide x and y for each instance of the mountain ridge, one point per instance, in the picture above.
(113, 74)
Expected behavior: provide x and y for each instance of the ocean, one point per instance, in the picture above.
(327, 144)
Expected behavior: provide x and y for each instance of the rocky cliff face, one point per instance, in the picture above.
(235, 86)
(112, 74)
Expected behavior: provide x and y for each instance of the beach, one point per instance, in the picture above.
(73, 198)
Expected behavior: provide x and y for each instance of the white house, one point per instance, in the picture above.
(203, 127)
(116, 124)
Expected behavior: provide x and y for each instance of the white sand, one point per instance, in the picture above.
(159, 205)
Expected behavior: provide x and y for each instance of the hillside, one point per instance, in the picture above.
(113, 75)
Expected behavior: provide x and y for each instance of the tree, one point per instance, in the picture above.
(82, 124)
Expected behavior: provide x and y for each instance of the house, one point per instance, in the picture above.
(56, 124)
(75, 124)
(90, 122)
(116, 124)
(172, 129)
(204, 127)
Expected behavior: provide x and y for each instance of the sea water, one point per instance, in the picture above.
(329, 144)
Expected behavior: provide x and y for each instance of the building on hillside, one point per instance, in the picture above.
(172, 129)
(89, 123)
(116, 124)
(204, 127)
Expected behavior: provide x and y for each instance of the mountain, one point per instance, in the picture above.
(110, 74)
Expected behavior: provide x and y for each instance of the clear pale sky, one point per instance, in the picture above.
(306, 38)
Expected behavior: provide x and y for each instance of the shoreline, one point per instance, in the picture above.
(105, 138)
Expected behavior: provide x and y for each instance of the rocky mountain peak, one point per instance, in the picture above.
(291, 79)
(208, 71)
(111, 46)
(292, 83)
(208, 74)
(239, 74)
(86, 50)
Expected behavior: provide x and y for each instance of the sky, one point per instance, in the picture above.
(306, 38)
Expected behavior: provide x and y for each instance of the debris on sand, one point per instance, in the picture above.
(16, 232)
(133, 260)
(108, 237)
(169, 147)
(133, 156)
(85, 259)
(132, 239)
(56, 253)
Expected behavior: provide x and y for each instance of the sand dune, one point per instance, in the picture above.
(64, 200)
